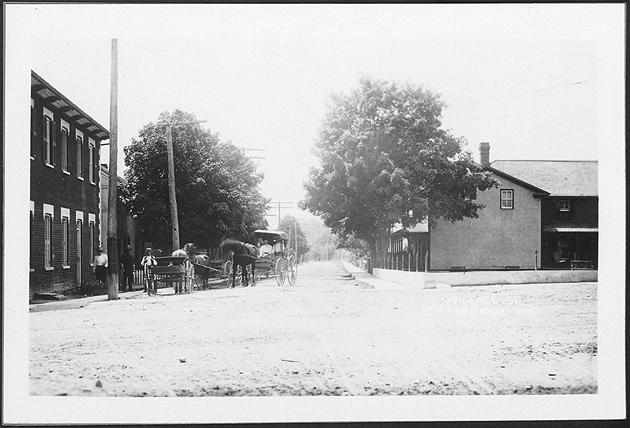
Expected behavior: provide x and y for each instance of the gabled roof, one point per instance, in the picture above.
(558, 178)
(537, 190)
(53, 97)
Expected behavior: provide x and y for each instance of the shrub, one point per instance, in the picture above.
(86, 288)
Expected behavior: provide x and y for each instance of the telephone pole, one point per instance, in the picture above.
(112, 207)
(171, 179)
(281, 205)
(171, 189)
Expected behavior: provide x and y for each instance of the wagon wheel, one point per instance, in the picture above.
(227, 273)
(291, 270)
(281, 271)
(239, 276)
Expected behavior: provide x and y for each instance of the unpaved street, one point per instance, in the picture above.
(325, 336)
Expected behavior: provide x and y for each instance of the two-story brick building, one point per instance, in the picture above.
(64, 189)
(543, 215)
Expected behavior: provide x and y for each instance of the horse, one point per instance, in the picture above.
(243, 255)
(200, 262)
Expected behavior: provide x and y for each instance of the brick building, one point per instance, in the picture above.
(64, 191)
(543, 215)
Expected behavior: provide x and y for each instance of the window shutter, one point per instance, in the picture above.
(53, 143)
(44, 125)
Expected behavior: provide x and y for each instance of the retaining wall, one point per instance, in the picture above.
(435, 279)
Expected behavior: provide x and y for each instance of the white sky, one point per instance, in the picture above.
(261, 76)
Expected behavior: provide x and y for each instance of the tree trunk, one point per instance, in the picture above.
(373, 255)
(378, 244)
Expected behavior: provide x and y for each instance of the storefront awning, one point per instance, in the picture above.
(561, 229)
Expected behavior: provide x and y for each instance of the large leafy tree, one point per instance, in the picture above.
(289, 224)
(216, 184)
(385, 159)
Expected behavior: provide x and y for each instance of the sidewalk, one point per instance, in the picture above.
(372, 282)
(76, 303)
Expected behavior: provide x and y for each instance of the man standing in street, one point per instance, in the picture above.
(127, 265)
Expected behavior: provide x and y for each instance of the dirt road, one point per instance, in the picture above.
(324, 336)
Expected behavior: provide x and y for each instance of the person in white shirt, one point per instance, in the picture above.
(266, 249)
(101, 264)
(278, 247)
(147, 261)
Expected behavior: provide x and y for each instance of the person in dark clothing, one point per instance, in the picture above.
(127, 265)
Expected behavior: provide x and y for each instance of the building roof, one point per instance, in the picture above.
(559, 178)
(53, 97)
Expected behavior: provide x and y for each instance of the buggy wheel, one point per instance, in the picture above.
(239, 276)
(281, 271)
(227, 273)
(291, 270)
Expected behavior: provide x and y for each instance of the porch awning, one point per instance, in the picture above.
(561, 229)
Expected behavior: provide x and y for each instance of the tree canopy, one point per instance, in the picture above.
(216, 184)
(384, 158)
(288, 225)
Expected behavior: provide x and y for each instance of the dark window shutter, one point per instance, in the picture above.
(53, 143)
(44, 125)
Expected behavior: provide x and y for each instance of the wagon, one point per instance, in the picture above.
(281, 264)
(175, 271)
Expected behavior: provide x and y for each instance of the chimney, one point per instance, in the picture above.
(484, 154)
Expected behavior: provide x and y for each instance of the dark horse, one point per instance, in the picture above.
(243, 255)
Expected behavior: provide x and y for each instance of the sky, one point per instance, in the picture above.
(524, 78)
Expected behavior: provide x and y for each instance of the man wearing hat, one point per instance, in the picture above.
(100, 266)
(127, 265)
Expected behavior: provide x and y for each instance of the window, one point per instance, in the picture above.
(563, 208)
(79, 144)
(507, 199)
(65, 133)
(33, 128)
(49, 138)
(48, 224)
(30, 254)
(92, 236)
(65, 218)
(91, 161)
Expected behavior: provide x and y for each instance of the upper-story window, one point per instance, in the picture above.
(563, 208)
(49, 137)
(32, 128)
(91, 160)
(507, 199)
(79, 144)
(65, 136)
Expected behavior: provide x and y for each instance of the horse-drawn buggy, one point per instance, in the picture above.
(271, 259)
(177, 272)
(277, 261)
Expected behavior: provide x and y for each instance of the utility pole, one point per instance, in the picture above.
(112, 207)
(171, 180)
(171, 189)
(281, 205)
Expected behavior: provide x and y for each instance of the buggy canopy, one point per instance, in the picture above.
(271, 236)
